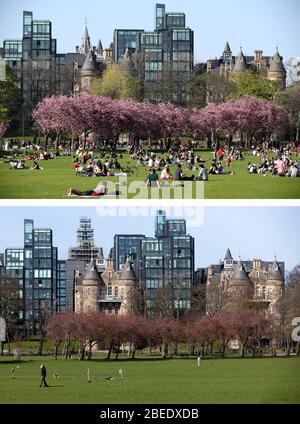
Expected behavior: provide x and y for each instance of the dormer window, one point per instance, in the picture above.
(228, 263)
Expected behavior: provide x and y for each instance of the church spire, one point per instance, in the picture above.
(86, 42)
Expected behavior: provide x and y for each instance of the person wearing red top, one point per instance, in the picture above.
(220, 154)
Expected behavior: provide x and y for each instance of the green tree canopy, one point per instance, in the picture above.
(10, 98)
(116, 83)
(209, 88)
(290, 98)
(252, 84)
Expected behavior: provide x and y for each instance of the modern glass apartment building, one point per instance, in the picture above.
(125, 245)
(124, 39)
(40, 282)
(33, 55)
(167, 52)
(40, 275)
(167, 262)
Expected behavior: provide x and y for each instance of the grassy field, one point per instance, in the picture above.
(266, 380)
(57, 176)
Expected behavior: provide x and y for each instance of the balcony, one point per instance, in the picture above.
(110, 299)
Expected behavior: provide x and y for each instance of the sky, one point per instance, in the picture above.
(251, 232)
(252, 24)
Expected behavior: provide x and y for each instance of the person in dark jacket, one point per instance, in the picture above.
(43, 376)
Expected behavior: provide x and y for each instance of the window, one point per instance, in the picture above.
(181, 35)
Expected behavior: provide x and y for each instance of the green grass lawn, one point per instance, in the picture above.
(57, 176)
(265, 380)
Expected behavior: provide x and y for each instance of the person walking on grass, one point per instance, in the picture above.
(199, 360)
(43, 376)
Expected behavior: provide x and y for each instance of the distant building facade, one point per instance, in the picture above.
(168, 49)
(269, 67)
(40, 275)
(257, 280)
(112, 292)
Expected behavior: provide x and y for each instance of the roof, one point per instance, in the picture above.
(90, 63)
(276, 64)
(227, 48)
(240, 62)
(275, 272)
(127, 272)
(228, 255)
(92, 273)
(240, 273)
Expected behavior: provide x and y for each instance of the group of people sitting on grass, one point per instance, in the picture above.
(107, 166)
(21, 164)
(147, 159)
(282, 167)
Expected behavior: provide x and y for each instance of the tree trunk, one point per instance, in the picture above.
(118, 350)
(203, 350)
(109, 351)
(242, 350)
(298, 348)
(56, 349)
(164, 350)
(133, 352)
(8, 341)
(41, 346)
(89, 356)
(288, 348)
(66, 349)
(223, 349)
(2, 349)
(57, 142)
(84, 140)
(46, 141)
(192, 349)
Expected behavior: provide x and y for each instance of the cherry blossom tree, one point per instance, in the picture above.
(55, 331)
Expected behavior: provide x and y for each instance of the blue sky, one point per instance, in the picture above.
(254, 24)
(253, 232)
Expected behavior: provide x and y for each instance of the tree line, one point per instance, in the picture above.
(108, 118)
(205, 335)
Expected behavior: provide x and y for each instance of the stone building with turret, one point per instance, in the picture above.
(269, 67)
(111, 292)
(94, 63)
(256, 280)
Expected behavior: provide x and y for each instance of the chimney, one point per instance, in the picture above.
(77, 49)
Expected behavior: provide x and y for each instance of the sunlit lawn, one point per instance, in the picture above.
(267, 380)
(57, 176)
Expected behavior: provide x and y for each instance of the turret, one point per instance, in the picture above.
(127, 63)
(240, 62)
(228, 260)
(92, 283)
(275, 282)
(227, 53)
(240, 286)
(127, 285)
(89, 71)
(276, 71)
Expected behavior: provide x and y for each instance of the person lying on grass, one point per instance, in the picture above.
(100, 190)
